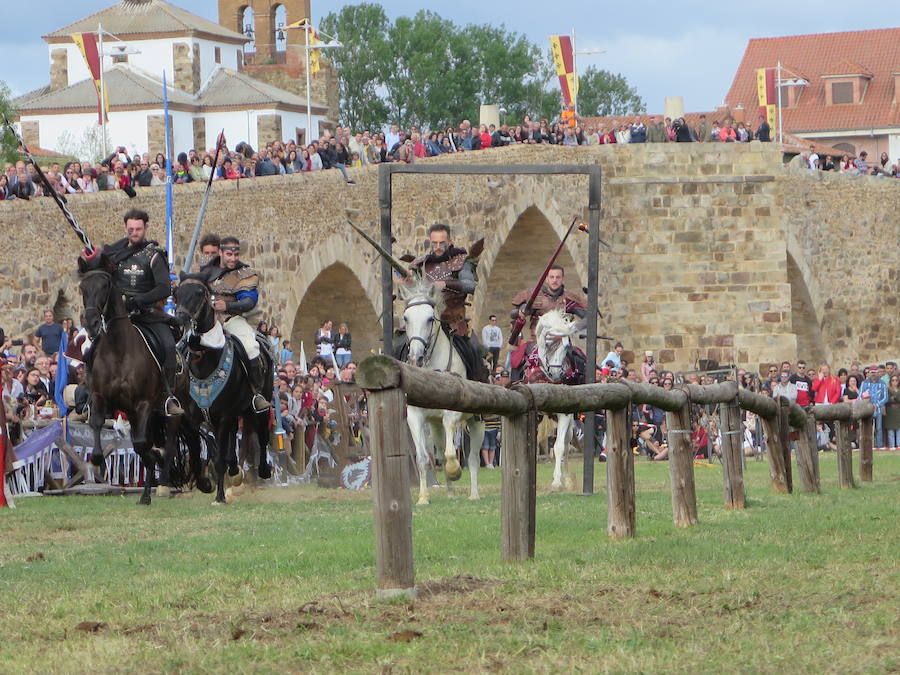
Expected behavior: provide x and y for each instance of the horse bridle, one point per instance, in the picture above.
(104, 323)
(192, 329)
(429, 347)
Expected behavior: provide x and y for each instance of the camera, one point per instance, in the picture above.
(17, 343)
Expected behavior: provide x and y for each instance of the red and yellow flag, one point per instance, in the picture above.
(87, 43)
(765, 86)
(314, 65)
(564, 59)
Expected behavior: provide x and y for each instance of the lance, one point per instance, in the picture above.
(220, 143)
(519, 323)
(60, 201)
(396, 264)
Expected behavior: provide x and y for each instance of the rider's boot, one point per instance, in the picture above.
(257, 372)
(173, 407)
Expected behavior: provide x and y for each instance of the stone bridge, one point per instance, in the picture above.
(715, 251)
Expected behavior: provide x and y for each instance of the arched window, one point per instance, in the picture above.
(278, 24)
(247, 26)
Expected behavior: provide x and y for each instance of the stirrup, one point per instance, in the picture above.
(176, 409)
(259, 403)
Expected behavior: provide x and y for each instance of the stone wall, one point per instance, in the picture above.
(156, 134)
(187, 67)
(268, 129)
(199, 133)
(716, 251)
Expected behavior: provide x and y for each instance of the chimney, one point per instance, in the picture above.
(738, 114)
(59, 69)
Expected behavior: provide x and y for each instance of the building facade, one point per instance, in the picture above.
(209, 86)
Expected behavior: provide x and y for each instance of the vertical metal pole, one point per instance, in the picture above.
(778, 94)
(575, 74)
(309, 135)
(387, 281)
(102, 93)
(591, 348)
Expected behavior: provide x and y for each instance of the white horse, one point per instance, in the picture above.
(550, 363)
(431, 348)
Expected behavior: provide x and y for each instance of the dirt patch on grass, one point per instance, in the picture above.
(461, 583)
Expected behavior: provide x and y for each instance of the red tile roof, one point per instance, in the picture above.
(869, 52)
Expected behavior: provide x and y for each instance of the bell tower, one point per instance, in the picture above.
(264, 21)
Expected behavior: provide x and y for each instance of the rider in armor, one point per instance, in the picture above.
(142, 276)
(451, 270)
(553, 295)
(235, 288)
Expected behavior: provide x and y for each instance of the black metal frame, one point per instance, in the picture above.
(386, 172)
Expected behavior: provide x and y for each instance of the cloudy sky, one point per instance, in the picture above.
(688, 48)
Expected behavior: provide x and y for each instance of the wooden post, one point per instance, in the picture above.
(732, 448)
(807, 458)
(775, 441)
(390, 483)
(844, 455)
(784, 434)
(620, 517)
(681, 467)
(864, 436)
(519, 475)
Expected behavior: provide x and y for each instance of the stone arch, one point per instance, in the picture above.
(246, 17)
(336, 281)
(528, 242)
(279, 21)
(805, 323)
(849, 148)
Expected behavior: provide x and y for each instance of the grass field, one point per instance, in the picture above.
(283, 582)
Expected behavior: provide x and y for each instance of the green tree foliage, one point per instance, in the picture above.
(8, 146)
(361, 62)
(602, 93)
(427, 71)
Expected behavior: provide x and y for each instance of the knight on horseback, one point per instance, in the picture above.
(451, 270)
(235, 288)
(141, 275)
(552, 296)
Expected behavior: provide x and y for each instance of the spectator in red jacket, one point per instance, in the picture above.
(826, 387)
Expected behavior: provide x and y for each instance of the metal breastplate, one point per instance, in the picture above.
(134, 275)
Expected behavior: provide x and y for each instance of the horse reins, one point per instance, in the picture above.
(102, 312)
(430, 347)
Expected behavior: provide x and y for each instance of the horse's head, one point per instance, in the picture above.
(555, 331)
(193, 307)
(96, 284)
(421, 317)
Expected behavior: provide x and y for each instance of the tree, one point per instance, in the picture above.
(361, 63)
(8, 146)
(602, 93)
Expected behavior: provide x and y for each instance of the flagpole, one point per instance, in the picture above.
(309, 135)
(574, 75)
(102, 93)
(778, 98)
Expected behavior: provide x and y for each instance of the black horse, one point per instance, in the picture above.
(122, 374)
(233, 396)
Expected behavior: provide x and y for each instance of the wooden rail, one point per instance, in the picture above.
(392, 385)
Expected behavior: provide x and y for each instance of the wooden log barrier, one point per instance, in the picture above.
(390, 493)
(844, 455)
(732, 447)
(681, 467)
(807, 457)
(429, 389)
(620, 516)
(865, 440)
(784, 432)
(519, 486)
(775, 440)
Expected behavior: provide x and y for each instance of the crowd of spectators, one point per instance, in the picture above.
(343, 148)
(859, 166)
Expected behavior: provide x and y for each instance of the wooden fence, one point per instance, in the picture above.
(392, 385)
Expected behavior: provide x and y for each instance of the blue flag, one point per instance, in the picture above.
(62, 374)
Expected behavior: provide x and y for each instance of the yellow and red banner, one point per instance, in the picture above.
(564, 59)
(768, 102)
(87, 44)
(314, 65)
